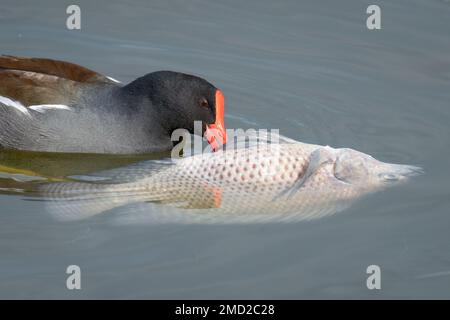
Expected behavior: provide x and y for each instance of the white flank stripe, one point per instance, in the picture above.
(44, 107)
(14, 104)
(114, 80)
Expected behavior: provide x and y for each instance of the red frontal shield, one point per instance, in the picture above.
(215, 133)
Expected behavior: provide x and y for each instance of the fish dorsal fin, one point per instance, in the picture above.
(130, 173)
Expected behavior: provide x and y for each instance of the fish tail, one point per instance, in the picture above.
(77, 200)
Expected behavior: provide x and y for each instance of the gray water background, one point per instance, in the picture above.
(311, 69)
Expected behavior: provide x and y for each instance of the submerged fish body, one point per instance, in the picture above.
(269, 181)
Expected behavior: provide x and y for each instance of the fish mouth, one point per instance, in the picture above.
(215, 133)
(399, 172)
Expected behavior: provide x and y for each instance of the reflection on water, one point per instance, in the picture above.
(22, 171)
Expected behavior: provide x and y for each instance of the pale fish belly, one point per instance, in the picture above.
(282, 182)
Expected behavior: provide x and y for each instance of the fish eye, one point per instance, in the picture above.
(204, 103)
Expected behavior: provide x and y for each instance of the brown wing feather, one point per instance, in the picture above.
(57, 68)
(30, 88)
(44, 81)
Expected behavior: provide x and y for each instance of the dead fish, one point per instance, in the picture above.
(278, 182)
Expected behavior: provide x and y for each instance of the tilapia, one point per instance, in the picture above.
(266, 182)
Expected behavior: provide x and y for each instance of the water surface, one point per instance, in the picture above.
(308, 68)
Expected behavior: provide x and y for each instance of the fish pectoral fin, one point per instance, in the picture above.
(317, 159)
(210, 199)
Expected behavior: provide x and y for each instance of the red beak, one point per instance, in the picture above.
(215, 133)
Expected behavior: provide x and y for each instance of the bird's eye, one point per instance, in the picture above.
(204, 103)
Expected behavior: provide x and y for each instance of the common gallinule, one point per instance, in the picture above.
(57, 106)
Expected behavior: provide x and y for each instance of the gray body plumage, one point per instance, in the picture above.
(103, 129)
